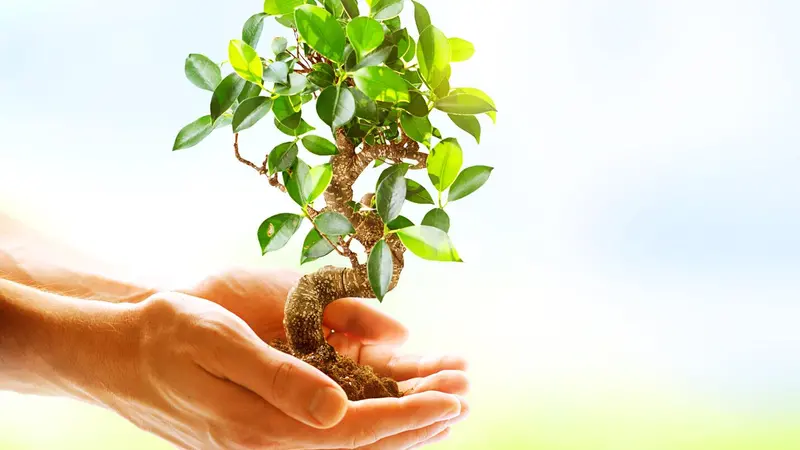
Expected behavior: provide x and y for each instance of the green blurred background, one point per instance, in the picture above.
(631, 277)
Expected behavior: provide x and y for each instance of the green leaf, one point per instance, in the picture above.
(379, 268)
(297, 84)
(444, 162)
(302, 128)
(429, 243)
(433, 55)
(245, 61)
(381, 84)
(366, 108)
(334, 224)
(469, 181)
(336, 106)
(296, 181)
(417, 105)
(402, 40)
(365, 34)
(319, 179)
(286, 20)
(351, 8)
(251, 33)
(286, 57)
(417, 128)
(482, 95)
(399, 223)
(463, 104)
(412, 78)
(350, 58)
(355, 205)
(390, 196)
(322, 75)
(437, 218)
(280, 7)
(443, 90)
(416, 193)
(225, 94)
(320, 146)
(223, 121)
(276, 231)
(304, 184)
(401, 168)
(250, 90)
(315, 247)
(421, 17)
(279, 45)
(193, 133)
(277, 72)
(282, 157)
(249, 112)
(202, 72)
(287, 111)
(460, 50)
(375, 58)
(321, 31)
(386, 9)
(335, 7)
(393, 24)
(469, 124)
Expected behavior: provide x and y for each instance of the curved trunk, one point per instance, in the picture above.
(314, 292)
(308, 299)
(306, 340)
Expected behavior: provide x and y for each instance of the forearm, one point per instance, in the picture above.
(54, 345)
(27, 257)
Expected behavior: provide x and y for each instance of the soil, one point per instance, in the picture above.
(358, 381)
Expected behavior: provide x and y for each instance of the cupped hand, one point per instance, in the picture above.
(203, 379)
(361, 332)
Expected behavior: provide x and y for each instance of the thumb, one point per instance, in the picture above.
(298, 389)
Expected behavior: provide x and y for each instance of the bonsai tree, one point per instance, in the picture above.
(376, 87)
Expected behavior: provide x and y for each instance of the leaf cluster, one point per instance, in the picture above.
(365, 76)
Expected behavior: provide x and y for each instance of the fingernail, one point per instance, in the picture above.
(464, 411)
(452, 413)
(328, 406)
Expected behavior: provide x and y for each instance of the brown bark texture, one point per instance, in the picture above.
(315, 291)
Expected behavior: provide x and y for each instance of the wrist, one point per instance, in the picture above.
(55, 345)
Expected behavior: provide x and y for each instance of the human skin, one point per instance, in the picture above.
(196, 371)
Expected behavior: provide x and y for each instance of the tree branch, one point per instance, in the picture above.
(273, 180)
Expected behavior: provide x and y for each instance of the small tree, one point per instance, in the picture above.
(375, 86)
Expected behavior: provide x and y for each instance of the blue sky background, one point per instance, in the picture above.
(641, 227)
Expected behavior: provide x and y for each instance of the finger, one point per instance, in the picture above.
(346, 345)
(388, 363)
(438, 438)
(448, 381)
(360, 320)
(369, 421)
(408, 439)
(296, 388)
(421, 436)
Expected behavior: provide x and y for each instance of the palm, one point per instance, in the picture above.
(257, 297)
(362, 333)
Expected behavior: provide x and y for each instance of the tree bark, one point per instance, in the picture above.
(314, 292)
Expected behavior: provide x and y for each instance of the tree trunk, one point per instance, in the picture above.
(303, 324)
(314, 292)
(308, 299)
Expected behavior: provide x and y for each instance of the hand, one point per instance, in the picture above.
(203, 379)
(362, 333)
